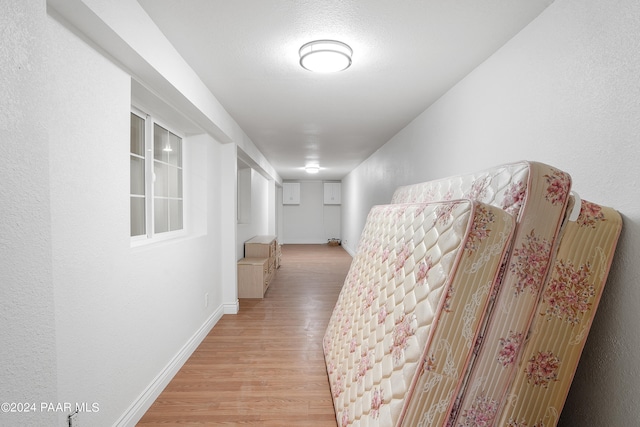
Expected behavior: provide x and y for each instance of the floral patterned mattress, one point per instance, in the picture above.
(405, 323)
(564, 315)
(537, 196)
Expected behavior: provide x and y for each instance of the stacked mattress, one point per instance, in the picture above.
(459, 361)
(406, 319)
(559, 331)
(537, 195)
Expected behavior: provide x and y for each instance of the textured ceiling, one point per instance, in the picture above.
(406, 55)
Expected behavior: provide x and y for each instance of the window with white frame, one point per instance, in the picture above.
(156, 201)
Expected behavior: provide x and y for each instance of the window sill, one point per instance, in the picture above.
(142, 241)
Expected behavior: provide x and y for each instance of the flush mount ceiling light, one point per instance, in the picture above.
(312, 169)
(325, 56)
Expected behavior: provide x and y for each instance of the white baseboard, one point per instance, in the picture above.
(304, 242)
(231, 308)
(134, 413)
(349, 250)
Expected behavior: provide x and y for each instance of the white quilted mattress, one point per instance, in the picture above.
(537, 195)
(403, 328)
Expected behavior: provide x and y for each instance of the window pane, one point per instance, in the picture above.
(137, 175)
(166, 175)
(175, 156)
(160, 185)
(160, 143)
(137, 216)
(137, 135)
(175, 182)
(175, 214)
(161, 215)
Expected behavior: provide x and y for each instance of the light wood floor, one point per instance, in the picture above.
(264, 366)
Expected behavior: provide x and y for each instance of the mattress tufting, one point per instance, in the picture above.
(537, 196)
(405, 323)
(564, 315)
(504, 186)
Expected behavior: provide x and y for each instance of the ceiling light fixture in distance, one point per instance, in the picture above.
(325, 56)
(312, 169)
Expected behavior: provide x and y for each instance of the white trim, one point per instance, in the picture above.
(143, 240)
(349, 250)
(137, 409)
(304, 241)
(231, 308)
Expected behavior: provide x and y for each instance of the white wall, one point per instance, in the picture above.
(564, 91)
(311, 222)
(332, 222)
(260, 212)
(27, 331)
(123, 316)
(84, 316)
(225, 202)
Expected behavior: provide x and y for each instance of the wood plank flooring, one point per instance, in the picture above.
(264, 366)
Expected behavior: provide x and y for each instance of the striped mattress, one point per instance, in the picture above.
(559, 331)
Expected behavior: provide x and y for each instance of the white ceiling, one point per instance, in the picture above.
(407, 53)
